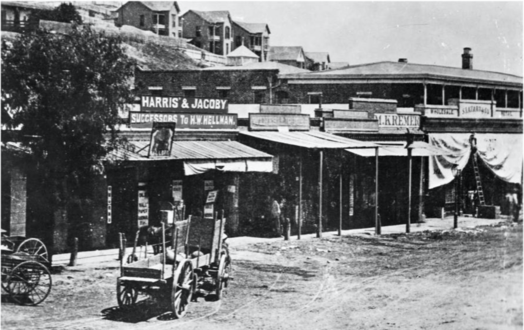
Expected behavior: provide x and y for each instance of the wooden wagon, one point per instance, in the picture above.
(197, 255)
(25, 270)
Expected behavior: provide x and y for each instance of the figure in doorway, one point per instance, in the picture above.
(275, 216)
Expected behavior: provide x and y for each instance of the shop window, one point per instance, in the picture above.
(259, 97)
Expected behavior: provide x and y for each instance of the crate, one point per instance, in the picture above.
(489, 211)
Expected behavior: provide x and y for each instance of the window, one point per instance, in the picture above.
(282, 97)
(211, 48)
(180, 33)
(227, 32)
(189, 93)
(159, 19)
(211, 30)
(315, 98)
(142, 19)
(227, 49)
(238, 41)
(156, 92)
(259, 97)
(252, 41)
(198, 31)
(223, 93)
(173, 20)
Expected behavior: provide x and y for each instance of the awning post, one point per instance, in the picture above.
(340, 207)
(319, 227)
(299, 220)
(377, 221)
(408, 221)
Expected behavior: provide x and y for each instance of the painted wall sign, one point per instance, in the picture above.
(396, 120)
(267, 121)
(143, 206)
(183, 104)
(177, 190)
(109, 204)
(475, 110)
(508, 114)
(350, 125)
(191, 121)
(442, 111)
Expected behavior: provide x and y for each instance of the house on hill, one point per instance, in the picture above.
(241, 56)
(160, 17)
(15, 14)
(255, 36)
(318, 61)
(294, 56)
(208, 30)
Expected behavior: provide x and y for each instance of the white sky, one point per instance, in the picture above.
(367, 32)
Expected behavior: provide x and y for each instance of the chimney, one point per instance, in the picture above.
(467, 59)
(403, 60)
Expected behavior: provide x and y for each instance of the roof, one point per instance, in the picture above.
(318, 57)
(242, 51)
(219, 16)
(194, 150)
(284, 53)
(157, 5)
(29, 5)
(311, 140)
(338, 65)
(282, 68)
(253, 28)
(410, 70)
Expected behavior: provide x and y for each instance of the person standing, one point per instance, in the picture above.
(275, 216)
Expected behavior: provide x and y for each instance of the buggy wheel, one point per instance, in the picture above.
(34, 247)
(29, 283)
(126, 294)
(224, 268)
(182, 290)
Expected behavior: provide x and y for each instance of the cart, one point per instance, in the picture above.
(25, 270)
(198, 257)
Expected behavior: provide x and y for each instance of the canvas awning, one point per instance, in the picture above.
(418, 149)
(201, 156)
(311, 140)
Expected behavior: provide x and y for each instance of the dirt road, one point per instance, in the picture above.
(469, 279)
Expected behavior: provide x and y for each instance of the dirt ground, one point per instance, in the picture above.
(464, 279)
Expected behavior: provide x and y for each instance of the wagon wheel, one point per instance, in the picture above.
(34, 247)
(224, 268)
(182, 290)
(29, 283)
(126, 294)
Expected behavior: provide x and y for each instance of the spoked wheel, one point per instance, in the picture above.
(182, 290)
(224, 268)
(126, 294)
(29, 283)
(34, 247)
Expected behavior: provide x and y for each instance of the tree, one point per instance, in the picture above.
(65, 13)
(67, 90)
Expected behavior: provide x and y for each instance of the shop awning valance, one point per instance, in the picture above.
(501, 153)
(311, 140)
(201, 156)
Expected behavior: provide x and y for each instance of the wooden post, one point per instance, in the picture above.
(408, 221)
(425, 94)
(320, 166)
(74, 253)
(175, 251)
(300, 198)
(121, 247)
(340, 208)
(287, 228)
(443, 95)
(163, 249)
(377, 221)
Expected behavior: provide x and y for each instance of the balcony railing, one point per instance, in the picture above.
(14, 26)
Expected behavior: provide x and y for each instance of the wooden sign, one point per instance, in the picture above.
(183, 104)
(272, 122)
(183, 120)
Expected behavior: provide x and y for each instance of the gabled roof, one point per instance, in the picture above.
(253, 28)
(285, 53)
(156, 5)
(401, 70)
(219, 16)
(242, 51)
(318, 57)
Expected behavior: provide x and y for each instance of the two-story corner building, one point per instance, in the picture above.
(160, 17)
(15, 14)
(209, 30)
(254, 36)
(293, 55)
(318, 61)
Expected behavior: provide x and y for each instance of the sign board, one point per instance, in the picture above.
(397, 120)
(183, 120)
(143, 207)
(509, 114)
(209, 185)
(280, 108)
(183, 104)
(212, 196)
(109, 204)
(161, 142)
(350, 125)
(177, 190)
(440, 111)
(209, 210)
(271, 122)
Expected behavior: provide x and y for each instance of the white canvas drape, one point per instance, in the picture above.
(502, 154)
(195, 167)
